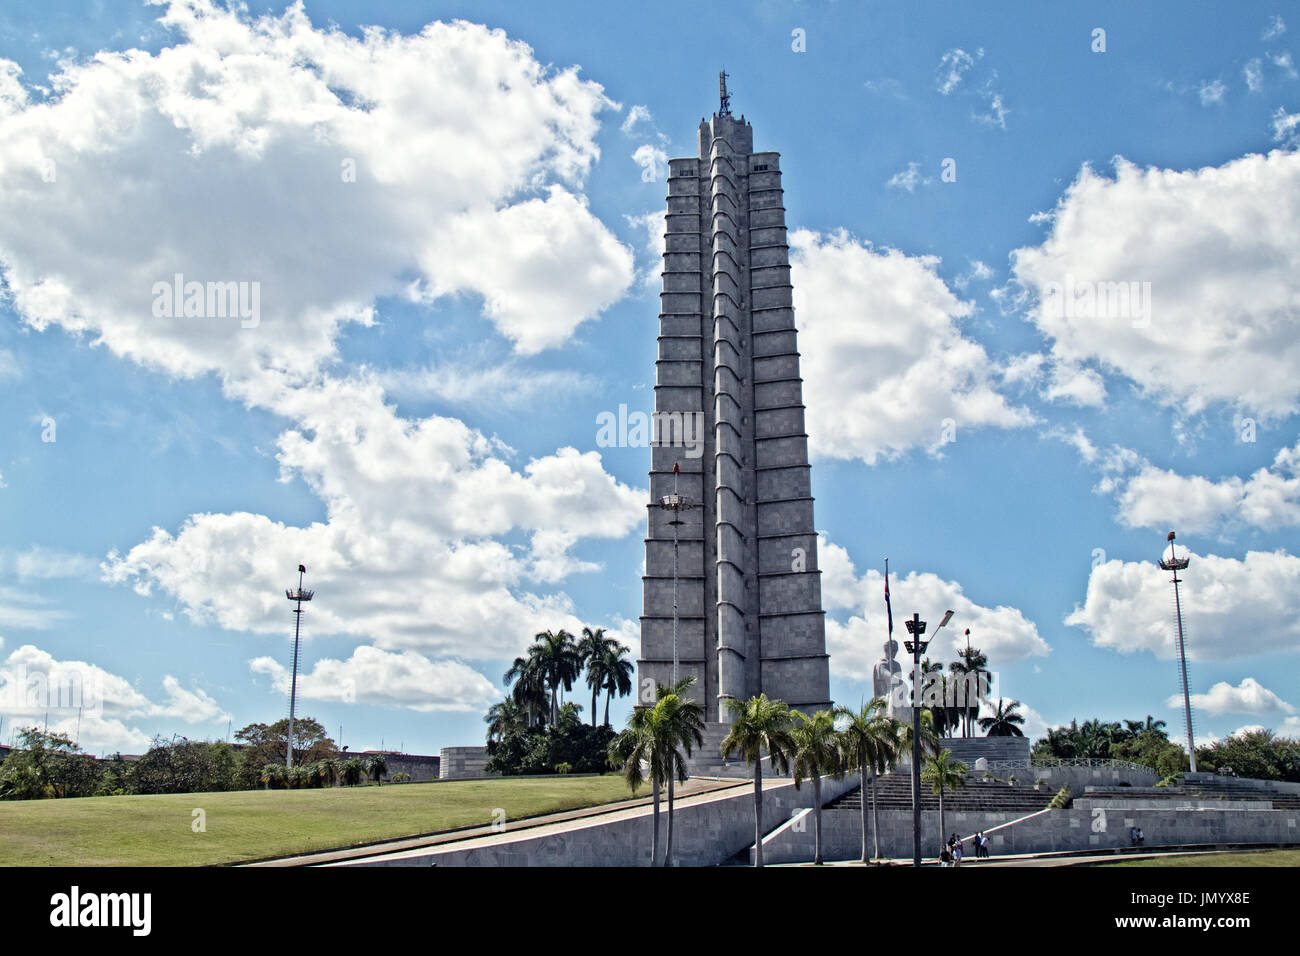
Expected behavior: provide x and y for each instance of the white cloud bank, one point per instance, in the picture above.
(373, 676)
(1248, 697)
(1215, 251)
(886, 367)
(331, 170)
(91, 704)
(1232, 609)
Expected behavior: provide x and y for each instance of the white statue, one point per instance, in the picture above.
(887, 682)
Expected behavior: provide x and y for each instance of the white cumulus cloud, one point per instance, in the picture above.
(1210, 260)
(400, 679)
(1248, 697)
(331, 170)
(1232, 609)
(885, 364)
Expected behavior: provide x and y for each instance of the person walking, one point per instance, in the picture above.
(945, 857)
(956, 853)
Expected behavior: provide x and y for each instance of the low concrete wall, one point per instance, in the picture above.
(1088, 828)
(1192, 780)
(1080, 778)
(707, 830)
(970, 749)
(463, 763)
(421, 767)
(1176, 803)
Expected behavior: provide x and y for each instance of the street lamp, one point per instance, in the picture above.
(1175, 564)
(299, 596)
(916, 647)
(675, 504)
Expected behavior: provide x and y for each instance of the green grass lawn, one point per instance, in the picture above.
(1242, 858)
(252, 824)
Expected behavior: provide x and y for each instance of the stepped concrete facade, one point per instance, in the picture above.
(729, 415)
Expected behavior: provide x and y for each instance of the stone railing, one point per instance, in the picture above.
(1104, 763)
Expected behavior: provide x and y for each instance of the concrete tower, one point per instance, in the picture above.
(729, 412)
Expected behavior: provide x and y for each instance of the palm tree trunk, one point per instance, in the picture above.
(875, 816)
(654, 838)
(608, 695)
(817, 818)
(668, 846)
(862, 768)
(942, 828)
(593, 707)
(758, 812)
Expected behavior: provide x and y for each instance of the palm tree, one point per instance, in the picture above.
(634, 752)
(1004, 720)
(529, 690)
(324, 770)
(590, 649)
(815, 751)
(682, 721)
(504, 718)
(274, 776)
(607, 666)
(972, 661)
(759, 724)
(618, 675)
(934, 686)
(869, 742)
(376, 765)
(943, 773)
(350, 771)
(1060, 742)
(1152, 725)
(929, 736)
(1094, 739)
(558, 659)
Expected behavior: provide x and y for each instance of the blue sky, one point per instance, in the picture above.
(453, 231)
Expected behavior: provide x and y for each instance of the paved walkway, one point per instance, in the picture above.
(566, 819)
(1038, 859)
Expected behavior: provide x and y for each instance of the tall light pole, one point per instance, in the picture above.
(675, 504)
(299, 596)
(1175, 564)
(916, 647)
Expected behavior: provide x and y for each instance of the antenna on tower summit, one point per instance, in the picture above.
(723, 95)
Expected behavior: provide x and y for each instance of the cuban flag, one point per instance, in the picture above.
(888, 608)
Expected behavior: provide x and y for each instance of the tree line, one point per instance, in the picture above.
(51, 765)
(1258, 754)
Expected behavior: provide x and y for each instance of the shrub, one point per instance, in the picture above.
(541, 750)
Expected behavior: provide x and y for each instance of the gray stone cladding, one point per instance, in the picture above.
(749, 589)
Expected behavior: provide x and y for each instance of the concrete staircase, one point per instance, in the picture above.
(1211, 786)
(894, 792)
(706, 761)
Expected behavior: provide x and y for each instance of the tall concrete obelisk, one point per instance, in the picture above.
(749, 589)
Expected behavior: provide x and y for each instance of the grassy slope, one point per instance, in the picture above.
(156, 830)
(1244, 858)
